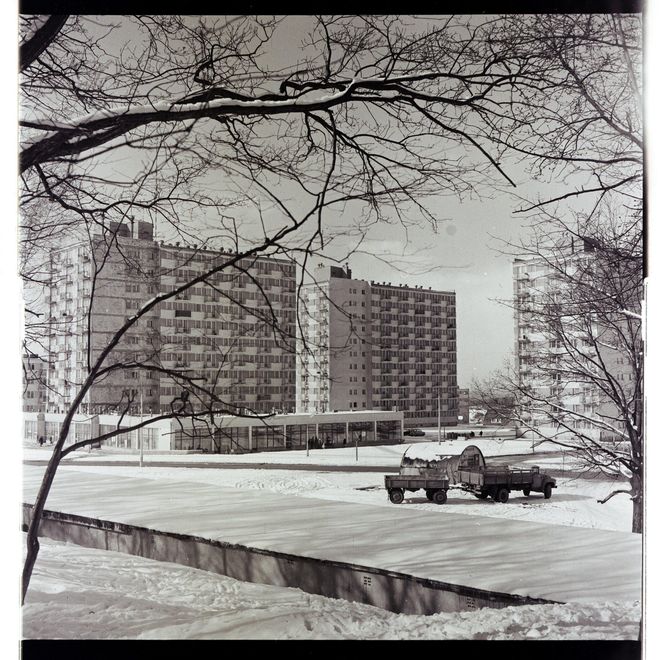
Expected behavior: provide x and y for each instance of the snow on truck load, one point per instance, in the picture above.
(430, 457)
(430, 467)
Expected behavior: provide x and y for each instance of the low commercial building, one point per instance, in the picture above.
(230, 434)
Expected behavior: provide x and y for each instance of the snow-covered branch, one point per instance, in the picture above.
(633, 315)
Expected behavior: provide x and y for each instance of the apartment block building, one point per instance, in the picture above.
(233, 332)
(371, 345)
(546, 366)
(34, 382)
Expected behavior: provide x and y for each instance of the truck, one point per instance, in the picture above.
(434, 470)
(497, 481)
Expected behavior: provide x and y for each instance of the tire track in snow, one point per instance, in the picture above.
(285, 484)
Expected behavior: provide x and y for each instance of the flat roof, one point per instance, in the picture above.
(341, 417)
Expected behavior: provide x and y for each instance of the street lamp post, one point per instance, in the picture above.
(439, 436)
(532, 432)
(440, 428)
(140, 430)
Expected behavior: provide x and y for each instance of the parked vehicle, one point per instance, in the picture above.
(435, 488)
(424, 466)
(414, 432)
(497, 481)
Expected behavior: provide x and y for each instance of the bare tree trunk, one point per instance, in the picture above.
(38, 507)
(637, 504)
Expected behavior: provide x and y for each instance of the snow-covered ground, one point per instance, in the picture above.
(574, 502)
(79, 593)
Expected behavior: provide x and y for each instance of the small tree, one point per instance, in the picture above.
(582, 374)
(578, 377)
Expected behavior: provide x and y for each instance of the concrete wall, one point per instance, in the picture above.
(389, 590)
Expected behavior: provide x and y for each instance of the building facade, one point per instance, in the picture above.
(232, 332)
(464, 405)
(549, 361)
(34, 382)
(370, 345)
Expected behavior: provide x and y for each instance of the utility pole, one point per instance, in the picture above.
(532, 432)
(140, 430)
(439, 436)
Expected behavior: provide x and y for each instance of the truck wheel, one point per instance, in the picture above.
(440, 497)
(547, 491)
(502, 495)
(481, 496)
(526, 491)
(396, 496)
(429, 494)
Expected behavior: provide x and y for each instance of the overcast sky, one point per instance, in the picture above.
(463, 255)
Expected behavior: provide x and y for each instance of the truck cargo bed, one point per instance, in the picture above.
(415, 483)
(514, 477)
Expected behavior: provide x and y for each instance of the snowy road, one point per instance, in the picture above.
(369, 455)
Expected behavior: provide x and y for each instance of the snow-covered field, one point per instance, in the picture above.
(574, 501)
(83, 593)
(79, 593)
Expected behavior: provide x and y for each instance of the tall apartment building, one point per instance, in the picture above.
(541, 357)
(34, 383)
(217, 330)
(370, 345)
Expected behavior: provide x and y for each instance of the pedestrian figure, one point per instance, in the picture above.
(50, 439)
(41, 440)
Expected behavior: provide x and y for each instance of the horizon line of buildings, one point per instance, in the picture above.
(340, 344)
(362, 346)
